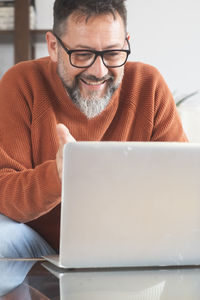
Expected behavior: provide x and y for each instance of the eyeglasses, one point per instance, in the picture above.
(85, 58)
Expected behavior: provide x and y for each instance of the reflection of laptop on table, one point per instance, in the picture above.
(130, 204)
(114, 284)
(134, 284)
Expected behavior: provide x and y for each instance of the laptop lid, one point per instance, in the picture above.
(130, 204)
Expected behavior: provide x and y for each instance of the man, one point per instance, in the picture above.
(87, 88)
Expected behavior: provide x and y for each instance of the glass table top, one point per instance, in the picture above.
(39, 280)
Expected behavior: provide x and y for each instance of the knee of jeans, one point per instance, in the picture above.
(12, 237)
(18, 241)
(11, 240)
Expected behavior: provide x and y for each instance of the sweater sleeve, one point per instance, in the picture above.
(167, 123)
(27, 191)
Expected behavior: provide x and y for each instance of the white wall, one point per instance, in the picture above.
(164, 33)
(44, 11)
(6, 55)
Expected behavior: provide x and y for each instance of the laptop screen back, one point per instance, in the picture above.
(130, 204)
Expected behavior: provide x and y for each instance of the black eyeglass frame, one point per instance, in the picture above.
(97, 53)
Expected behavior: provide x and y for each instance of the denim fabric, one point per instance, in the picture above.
(17, 240)
(13, 274)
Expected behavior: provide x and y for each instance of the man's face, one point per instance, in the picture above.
(91, 88)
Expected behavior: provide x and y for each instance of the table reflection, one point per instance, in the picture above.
(158, 284)
(12, 274)
(28, 280)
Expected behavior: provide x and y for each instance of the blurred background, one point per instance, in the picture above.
(164, 33)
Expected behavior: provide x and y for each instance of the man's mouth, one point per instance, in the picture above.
(93, 83)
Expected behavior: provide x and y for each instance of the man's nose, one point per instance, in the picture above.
(98, 69)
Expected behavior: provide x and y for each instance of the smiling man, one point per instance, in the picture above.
(85, 91)
(94, 70)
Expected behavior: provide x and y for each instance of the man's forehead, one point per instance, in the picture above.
(98, 32)
(102, 34)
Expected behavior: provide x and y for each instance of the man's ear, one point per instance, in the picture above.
(128, 36)
(52, 46)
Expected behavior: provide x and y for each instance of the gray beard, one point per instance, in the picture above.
(91, 106)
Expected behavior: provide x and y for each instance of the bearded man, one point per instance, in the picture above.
(85, 91)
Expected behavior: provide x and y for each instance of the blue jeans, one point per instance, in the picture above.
(17, 240)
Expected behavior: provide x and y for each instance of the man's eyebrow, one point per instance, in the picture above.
(114, 46)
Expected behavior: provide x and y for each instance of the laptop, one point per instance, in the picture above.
(129, 204)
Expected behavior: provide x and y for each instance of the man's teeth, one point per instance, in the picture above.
(93, 83)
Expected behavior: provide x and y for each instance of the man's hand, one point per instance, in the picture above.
(64, 137)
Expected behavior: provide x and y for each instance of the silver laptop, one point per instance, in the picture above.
(130, 204)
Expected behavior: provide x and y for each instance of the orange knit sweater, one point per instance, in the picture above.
(33, 101)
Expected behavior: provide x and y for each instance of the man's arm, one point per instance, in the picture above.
(27, 193)
(30, 186)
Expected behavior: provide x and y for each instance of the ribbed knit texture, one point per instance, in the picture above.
(33, 101)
